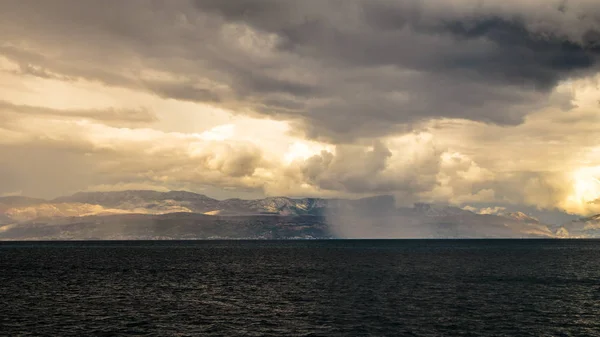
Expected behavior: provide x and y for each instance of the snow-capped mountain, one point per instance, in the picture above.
(582, 228)
(95, 214)
(520, 216)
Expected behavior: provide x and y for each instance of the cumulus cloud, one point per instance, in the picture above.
(458, 101)
(67, 164)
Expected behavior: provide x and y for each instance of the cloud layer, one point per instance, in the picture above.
(457, 101)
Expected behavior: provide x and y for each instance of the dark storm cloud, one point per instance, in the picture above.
(521, 56)
(489, 67)
(339, 69)
(372, 36)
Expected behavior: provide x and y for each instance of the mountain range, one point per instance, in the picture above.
(144, 214)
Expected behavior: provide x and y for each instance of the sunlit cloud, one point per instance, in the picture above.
(305, 100)
(221, 132)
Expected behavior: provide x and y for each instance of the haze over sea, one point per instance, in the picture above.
(301, 288)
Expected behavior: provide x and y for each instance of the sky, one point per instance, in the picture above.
(463, 102)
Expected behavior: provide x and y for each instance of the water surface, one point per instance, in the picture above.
(301, 288)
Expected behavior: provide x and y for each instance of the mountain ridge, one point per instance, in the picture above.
(376, 216)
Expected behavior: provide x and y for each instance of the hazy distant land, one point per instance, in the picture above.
(130, 215)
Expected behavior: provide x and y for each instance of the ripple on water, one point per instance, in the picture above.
(320, 288)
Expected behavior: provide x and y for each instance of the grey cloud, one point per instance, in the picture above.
(44, 170)
(363, 169)
(185, 91)
(234, 161)
(521, 56)
(341, 70)
(541, 189)
(28, 69)
(110, 116)
(39, 65)
(62, 165)
(462, 62)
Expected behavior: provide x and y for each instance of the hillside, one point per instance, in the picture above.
(140, 214)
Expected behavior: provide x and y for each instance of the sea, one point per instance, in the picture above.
(301, 288)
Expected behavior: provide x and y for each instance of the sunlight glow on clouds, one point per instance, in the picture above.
(586, 191)
(302, 150)
(220, 132)
(304, 99)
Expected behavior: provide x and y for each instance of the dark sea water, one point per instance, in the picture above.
(301, 288)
